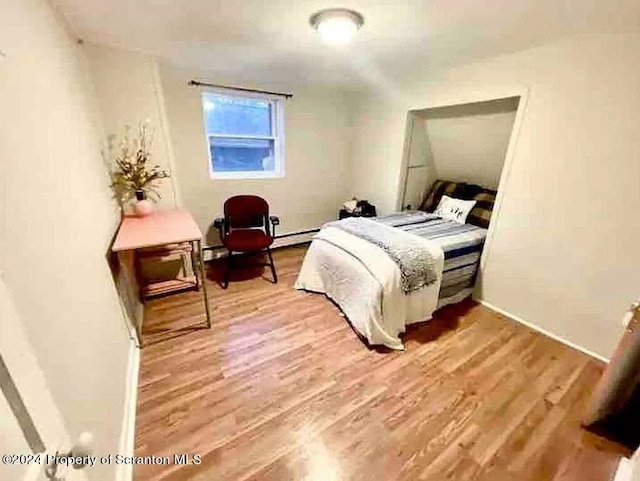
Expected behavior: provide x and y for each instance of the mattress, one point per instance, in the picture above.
(461, 243)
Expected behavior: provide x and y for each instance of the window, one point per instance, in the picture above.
(244, 134)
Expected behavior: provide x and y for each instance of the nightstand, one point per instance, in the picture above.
(344, 213)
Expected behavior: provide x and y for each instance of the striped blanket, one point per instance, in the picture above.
(461, 243)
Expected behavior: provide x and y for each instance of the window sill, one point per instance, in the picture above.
(245, 175)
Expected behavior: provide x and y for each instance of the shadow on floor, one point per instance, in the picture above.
(443, 320)
(245, 267)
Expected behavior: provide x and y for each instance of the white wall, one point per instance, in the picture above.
(316, 150)
(564, 253)
(57, 221)
(128, 91)
(127, 87)
(468, 143)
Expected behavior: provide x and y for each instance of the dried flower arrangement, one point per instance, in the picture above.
(133, 173)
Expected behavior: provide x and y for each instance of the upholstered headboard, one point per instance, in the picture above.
(480, 215)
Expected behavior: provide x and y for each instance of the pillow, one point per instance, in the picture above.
(480, 215)
(440, 188)
(454, 209)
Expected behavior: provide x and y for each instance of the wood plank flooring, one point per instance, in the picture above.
(282, 389)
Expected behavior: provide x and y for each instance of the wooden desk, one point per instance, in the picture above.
(164, 227)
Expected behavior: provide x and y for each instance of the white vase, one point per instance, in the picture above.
(142, 207)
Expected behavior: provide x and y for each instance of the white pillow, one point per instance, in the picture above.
(454, 209)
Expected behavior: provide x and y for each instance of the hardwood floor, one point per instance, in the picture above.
(282, 389)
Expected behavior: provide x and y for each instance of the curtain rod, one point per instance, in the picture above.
(240, 89)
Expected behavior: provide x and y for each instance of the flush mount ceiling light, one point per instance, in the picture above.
(336, 26)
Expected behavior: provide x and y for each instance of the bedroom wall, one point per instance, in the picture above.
(468, 143)
(128, 91)
(564, 250)
(127, 87)
(317, 127)
(57, 221)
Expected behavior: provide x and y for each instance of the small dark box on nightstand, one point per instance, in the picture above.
(363, 209)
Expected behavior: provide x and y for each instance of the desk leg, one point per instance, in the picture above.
(129, 291)
(194, 265)
(203, 280)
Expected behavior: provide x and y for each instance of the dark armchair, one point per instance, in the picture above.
(245, 228)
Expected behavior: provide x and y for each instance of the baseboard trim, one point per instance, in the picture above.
(544, 331)
(294, 239)
(124, 472)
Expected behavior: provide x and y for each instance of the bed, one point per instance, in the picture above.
(365, 282)
(461, 245)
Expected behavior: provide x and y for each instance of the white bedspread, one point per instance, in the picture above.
(362, 279)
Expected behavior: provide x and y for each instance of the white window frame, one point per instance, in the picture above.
(277, 127)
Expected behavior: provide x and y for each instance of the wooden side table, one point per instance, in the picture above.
(187, 281)
(160, 229)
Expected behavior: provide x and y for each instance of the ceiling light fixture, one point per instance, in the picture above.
(336, 26)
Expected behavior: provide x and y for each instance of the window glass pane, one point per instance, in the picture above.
(241, 155)
(230, 115)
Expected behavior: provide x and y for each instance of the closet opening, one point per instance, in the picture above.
(465, 144)
(462, 151)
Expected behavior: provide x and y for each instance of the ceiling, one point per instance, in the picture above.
(271, 40)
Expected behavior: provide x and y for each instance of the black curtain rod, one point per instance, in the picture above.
(240, 89)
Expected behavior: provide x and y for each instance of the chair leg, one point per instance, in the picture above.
(225, 282)
(273, 266)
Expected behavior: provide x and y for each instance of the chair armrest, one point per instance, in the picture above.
(275, 220)
(219, 224)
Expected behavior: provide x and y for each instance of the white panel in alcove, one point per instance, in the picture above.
(420, 173)
(419, 151)
(416, 186)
